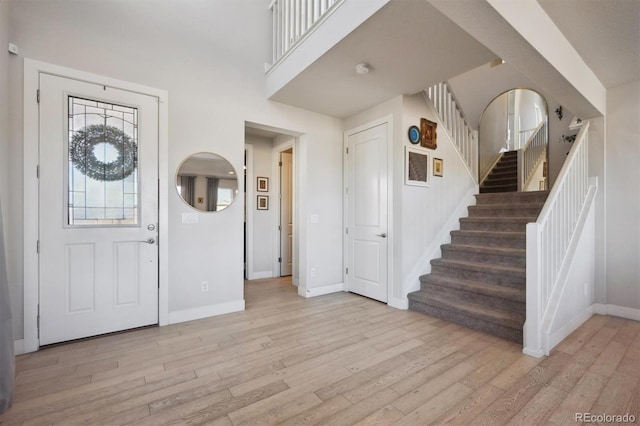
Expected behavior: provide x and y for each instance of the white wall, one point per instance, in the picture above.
(422, 217)
(492, 134)
(623, 196)
(263, 220)
(430, 214)
(9, 196)
(213, 70)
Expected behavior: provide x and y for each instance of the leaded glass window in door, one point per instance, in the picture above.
(102, 164)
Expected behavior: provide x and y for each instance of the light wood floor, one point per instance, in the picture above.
(337, 359)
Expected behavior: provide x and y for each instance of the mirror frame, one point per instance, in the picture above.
(217, 175)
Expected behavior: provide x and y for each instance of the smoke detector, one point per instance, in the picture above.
(363, 68)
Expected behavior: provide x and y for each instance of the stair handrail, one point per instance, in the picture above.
(464, 137)
(531, 154)
(293, 20)
(548, 238)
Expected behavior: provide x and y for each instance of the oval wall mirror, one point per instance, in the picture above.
(207, 182)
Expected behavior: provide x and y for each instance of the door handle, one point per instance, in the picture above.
(383, 235)
(149, 240)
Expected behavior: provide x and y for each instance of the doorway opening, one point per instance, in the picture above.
(271, 237)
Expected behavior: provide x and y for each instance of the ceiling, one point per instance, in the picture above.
(409, 44)
(606, 34)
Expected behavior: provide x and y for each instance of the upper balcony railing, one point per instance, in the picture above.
(292, 20)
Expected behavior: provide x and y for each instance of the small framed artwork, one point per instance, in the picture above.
(263, 184)
(428, 134)
(437, 167)
(263, 202)
(416, 165)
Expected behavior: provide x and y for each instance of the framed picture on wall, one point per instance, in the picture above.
(416, 167)
(263, 184)
(428, 134)
(437, 167)
(263, 202)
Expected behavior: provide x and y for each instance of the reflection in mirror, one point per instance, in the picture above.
(207, 182)
(507, 124)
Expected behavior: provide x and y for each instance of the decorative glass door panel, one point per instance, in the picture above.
(102, 164)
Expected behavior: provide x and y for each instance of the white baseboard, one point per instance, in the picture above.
(205, 311)
(534, 353)
(617, 311)
(394, 302)
(260, 275)
(18, 347)
(563, 332)
(319, 291)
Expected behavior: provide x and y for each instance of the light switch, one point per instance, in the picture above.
(189, 217)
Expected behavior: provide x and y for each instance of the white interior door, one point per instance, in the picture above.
(286, 213)
(98, 209)
(367, 213)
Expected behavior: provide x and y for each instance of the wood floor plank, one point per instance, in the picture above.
(538, 409)
(468, 410)
(285, 411)
(333, 359)
(616, 395)
(428, 412)
(520, 393)
(356, 412)
(318, 413)
(579, 400)
(384, 416)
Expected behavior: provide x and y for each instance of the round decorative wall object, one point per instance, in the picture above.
(414, 134)
(83, 156)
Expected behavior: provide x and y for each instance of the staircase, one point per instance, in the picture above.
(480, 280)
(503, 176)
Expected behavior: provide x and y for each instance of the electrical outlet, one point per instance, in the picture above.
(204, 285)
(313, 272)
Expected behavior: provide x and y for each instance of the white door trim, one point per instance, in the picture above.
(248, 213)
(276, 204)
(388, 120)
(32, 71)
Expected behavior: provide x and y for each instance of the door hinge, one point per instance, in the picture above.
(347, 271)
(346, 230)
(347, 150)
(38, 246)
(38, 95)
(346, 190)
(38, 321)
(280, 164)
(280, 259)
(279, 228)
(38, 171)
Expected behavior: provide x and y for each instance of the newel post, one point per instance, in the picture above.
(532, 342)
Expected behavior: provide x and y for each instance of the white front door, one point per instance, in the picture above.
(98, 209)
(367, 212)
(286, 213)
